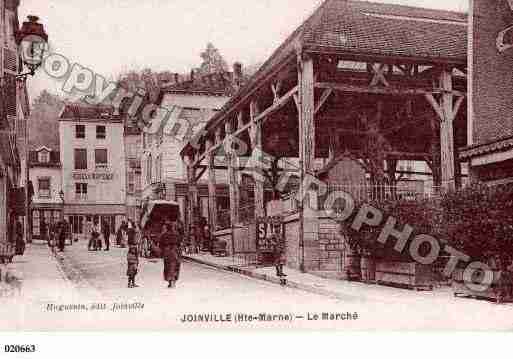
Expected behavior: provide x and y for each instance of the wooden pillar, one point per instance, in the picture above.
(192, 199)
(232, 160)
(212, 201)
(447, 132)
(446, 110)
(256, 146)
(306, 106)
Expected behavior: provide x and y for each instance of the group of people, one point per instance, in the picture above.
(55, 233)
(100, 235)
(169, 243)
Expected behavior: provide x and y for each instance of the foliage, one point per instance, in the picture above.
(213, 61)
(44, 129)
(420, 214)
(478, 221)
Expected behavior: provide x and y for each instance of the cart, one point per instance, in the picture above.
(156, 214)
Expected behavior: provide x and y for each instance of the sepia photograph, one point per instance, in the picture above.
(172, 165)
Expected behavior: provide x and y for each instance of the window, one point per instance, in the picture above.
(158, 168)
(80, 159)
(43, 157)
(100, 158)
(131, 182)
(79, 131)
(81, 191)
(101, 132)
(43, 186)
(149, 165)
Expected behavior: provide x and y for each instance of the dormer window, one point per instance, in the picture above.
(43, 156)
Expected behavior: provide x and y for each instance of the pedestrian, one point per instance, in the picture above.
(132, 259)
(20, 243)
(106, 234)
(130, 233)
(43, 230)
(170, 246)
(278, 245)
(99, 243)
(88, 229)
(62, 236)
(95, 235)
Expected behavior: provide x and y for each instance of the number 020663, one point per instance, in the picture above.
(19, 348)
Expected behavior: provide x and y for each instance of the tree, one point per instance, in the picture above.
(44, 127)
(213, 62)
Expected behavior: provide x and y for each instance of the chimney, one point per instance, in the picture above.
(237, 70)
(237, 74)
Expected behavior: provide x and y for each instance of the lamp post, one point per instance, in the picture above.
(32, 41)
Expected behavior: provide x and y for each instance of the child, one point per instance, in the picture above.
(133, 262)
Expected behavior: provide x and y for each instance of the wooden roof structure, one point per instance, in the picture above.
(382, 82)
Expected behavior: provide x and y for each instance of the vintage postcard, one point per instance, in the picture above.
(306, 164)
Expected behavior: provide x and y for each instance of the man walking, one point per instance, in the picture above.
(62, 236)
(106, 234)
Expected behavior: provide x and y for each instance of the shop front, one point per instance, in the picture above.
(79, 215)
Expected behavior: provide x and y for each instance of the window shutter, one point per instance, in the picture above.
(10, 95)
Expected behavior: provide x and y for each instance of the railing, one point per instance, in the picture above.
(223, 219)
(247, 214)
(369, 192)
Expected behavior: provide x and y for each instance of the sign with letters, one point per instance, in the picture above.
(266, 227)
(102, 176)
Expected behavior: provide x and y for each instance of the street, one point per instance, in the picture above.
(88, 291)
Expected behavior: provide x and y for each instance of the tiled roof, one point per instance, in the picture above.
(217, 84)
(372, 29)
(500, 145)
(88, 112)
(390, 30)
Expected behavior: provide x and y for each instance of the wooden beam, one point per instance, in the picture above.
(232, 178)
(379, 75)
(262, 117)
(256, 146)
(324, 97)
(212, 200)
(307, 105)
(392, 91)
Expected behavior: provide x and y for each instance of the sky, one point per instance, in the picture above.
(114, 36)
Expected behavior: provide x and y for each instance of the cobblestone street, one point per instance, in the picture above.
(80, 277)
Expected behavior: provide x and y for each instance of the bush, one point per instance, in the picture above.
(478, 221)
(420, 214)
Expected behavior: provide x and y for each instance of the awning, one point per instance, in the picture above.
(95, 209)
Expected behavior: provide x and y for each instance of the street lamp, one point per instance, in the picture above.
(32, 42)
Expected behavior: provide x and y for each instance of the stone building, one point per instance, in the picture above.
(46, 177)
(490, 115)
(93, 165)
(12, 119)
(133, 152)
(190, 104)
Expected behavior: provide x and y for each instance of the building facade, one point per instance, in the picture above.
(490, 114)
(93, 166)
(133, 152)
(46, 178)
(190, 105)
(11, 120)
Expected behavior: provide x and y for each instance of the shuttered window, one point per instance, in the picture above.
(80, 159)
(10, 94)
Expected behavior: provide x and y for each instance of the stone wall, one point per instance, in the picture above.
(491, 72)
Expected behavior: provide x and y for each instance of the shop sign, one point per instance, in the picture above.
(102, 176)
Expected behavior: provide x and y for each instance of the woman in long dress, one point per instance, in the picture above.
(170, 246)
